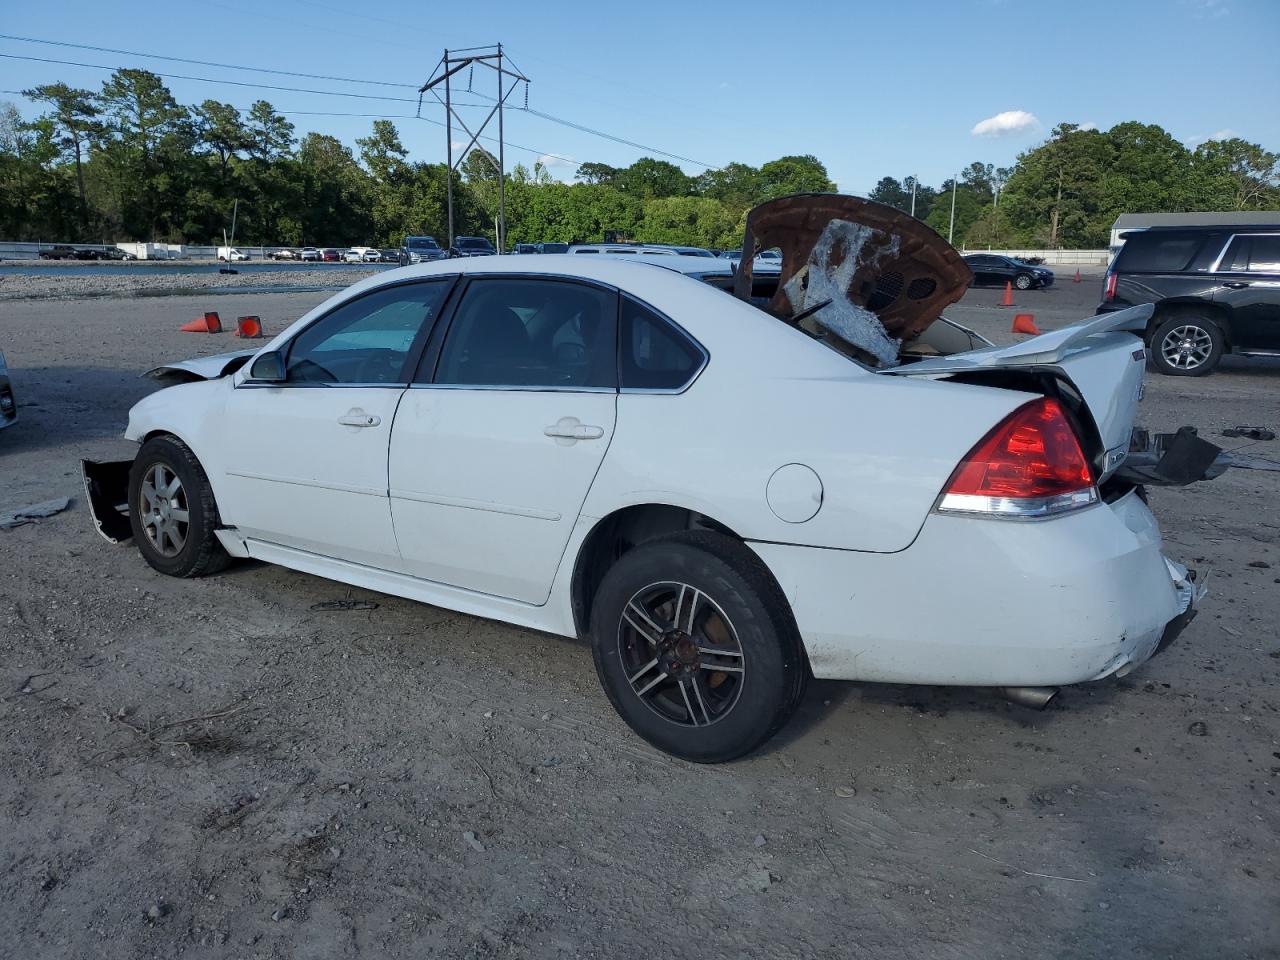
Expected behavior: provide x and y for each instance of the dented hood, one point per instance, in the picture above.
(864, 272)
(201, 368)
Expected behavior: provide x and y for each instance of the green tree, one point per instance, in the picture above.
(794, 174)
(1237, 175)
(270, 134)
(696, 221)
(648, 178)
(220, 127)
(597, 174)
(75, 118)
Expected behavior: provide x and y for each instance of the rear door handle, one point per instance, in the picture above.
(1235, 284)
(571, 429)
(358, 418)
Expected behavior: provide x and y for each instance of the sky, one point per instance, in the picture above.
(871, 89)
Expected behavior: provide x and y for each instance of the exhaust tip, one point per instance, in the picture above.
(1037, 698)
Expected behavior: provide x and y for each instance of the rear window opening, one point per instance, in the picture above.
(1157, 252)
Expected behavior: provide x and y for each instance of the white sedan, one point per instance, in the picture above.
(719, 501)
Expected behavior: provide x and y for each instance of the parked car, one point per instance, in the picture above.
(309, 255)
(330, 255)
(421, 250)
(621, 249)
(990, 269)
(598, 448)
(283, 253)
(1216, 290)
(389, 256)
(471, 247)
(59, 251)
(354, 255)
(553, 246)
(231, 255)
(115, 253)
(525, 248)
(8, 405)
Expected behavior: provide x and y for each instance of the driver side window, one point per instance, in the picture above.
(367, 340)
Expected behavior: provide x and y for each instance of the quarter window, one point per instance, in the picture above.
(531, 333)
(366, 340)
(1157, 253)
(654, 354)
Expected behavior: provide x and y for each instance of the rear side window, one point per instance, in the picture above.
(653, 354)
(531, 333)
(1256, 254)
(1157, 253)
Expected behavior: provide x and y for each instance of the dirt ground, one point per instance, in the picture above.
(215, 769)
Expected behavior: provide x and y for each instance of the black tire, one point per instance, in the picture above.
(199, 553)
(1024, 281)
(1186, 345)
(742, 708)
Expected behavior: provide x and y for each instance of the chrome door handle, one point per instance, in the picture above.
(571, 429)
(358, 418)
(1235, 284)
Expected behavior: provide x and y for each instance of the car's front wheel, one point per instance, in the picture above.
(1185, 345)
(1023, 281)
(172, 511)
(696, 648)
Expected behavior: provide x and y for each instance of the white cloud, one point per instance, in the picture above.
(1006, 123)
(553, 163)
(1088, 125)
(1209, 9)
(1226, 134)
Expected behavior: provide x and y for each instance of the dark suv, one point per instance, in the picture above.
(1216, 290)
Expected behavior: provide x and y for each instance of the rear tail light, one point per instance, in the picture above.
(1031, 465)
(1109, 291)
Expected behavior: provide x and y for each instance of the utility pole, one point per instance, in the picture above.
(951, 230)
(509, 78)
(914, 179)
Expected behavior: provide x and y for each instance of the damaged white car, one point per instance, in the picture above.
(724, 494)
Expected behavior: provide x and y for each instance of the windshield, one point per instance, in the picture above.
(555, 248)
(421, 243)
(474, 243)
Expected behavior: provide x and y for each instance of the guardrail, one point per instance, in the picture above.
(1082, 257)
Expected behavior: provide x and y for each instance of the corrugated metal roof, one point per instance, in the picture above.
(1131, 221)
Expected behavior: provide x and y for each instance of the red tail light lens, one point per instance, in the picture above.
(1109, 292)
(1030, 465)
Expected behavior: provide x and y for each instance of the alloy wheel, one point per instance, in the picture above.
(681, 654)
(1186, 347)
(163, 510)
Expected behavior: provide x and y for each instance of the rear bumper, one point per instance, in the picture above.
(978, 602)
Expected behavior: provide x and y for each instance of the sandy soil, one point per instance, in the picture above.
(214, 769)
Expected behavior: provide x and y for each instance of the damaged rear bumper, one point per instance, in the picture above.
(106, 491)
(1046, 603)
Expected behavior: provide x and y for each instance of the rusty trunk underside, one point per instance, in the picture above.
(861, 274)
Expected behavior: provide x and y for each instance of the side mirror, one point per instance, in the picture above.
(268, 368)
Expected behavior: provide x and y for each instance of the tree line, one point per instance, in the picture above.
(128, 162)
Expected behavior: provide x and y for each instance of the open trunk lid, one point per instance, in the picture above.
(1099, 359)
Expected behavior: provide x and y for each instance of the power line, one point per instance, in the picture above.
(581, 128)
(204, 63)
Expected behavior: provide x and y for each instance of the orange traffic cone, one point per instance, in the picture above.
(1025, 323)
(1008, 295)
(1077, 279)
(249, 327)
(209, 323)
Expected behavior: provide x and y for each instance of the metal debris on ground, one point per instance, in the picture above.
(329, 606)
(1250, 433)
(37, 511)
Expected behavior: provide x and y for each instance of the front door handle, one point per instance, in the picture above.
(570, 429)
(358, 418)
(1235, 284)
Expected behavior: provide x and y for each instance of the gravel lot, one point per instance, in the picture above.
(214, 769)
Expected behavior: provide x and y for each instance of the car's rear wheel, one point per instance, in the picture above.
(1185, 345)
(696, 648)
(1023, 281)
(172, 511)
